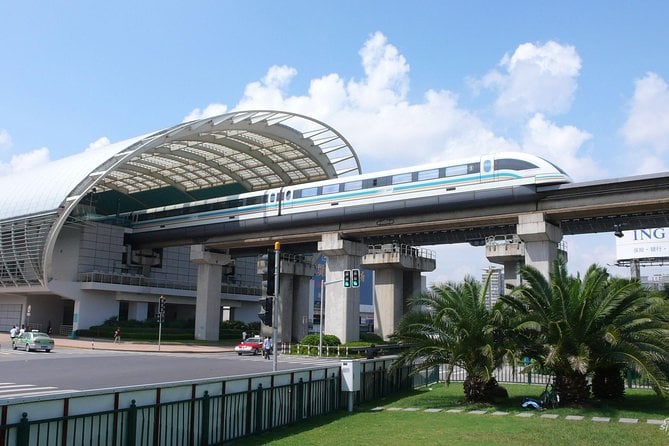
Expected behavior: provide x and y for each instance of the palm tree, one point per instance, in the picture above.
(596, 325)
(451, 325)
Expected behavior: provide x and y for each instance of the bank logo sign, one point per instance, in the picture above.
(643, 244)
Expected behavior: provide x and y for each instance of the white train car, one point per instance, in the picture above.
(476, 181)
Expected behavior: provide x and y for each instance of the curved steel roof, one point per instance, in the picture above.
(247, 150)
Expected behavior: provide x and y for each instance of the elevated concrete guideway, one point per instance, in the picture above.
(577, 208)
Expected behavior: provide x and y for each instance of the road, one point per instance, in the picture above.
(72, 369)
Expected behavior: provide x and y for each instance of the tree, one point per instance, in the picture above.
(596, 325)
(451, 325)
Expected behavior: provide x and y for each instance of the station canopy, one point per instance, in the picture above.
(232, 153)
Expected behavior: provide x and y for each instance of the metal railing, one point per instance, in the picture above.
(203, 412)
(403, 249)
(144, 281)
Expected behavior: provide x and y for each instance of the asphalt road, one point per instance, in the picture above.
(66, 369)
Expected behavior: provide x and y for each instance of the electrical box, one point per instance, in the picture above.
(350, 376)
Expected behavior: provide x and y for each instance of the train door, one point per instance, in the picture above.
(271, 202)
(488, 169)
(286, 200)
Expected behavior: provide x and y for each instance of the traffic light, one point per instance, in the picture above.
(267, 305)
(347, 278)
(271, 268)
(161, 309)
(355, 280)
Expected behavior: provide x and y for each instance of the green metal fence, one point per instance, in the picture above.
(205, 417)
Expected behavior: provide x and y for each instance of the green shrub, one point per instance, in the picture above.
(233, 325)
(314, 339)
(372, 338)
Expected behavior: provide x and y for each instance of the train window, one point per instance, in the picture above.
(487, 166)
(272, 197)
(473, 168)
(513, 164)
(428, 174)
(353, 185)
(401, 178)
(252, 200)
(330, 189)
(452, 171)
(310, 192)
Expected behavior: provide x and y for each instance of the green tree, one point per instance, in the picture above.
(596, 325)
(451, 325)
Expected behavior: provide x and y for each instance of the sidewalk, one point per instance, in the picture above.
(130, 346)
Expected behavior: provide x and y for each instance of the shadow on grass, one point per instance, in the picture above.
(291, 430)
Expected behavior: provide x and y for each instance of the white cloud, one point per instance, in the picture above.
(647, 127)
(100, 142)
(387, 130)
(25, 161)
(209, 110)
(560, 145)
(535, 78)
(5, 139)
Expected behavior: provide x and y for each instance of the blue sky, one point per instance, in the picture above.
(583, 84)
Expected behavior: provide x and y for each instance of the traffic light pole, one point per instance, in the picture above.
(277, 294)
(161, 316)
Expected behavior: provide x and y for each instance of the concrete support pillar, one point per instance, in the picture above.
(397, 277)
(389, 300)
(284, 306)
(512, 273)
(301, 287)
(541, 240)
(342, 305)
(413, 285)
(292, 303)
(208, 298)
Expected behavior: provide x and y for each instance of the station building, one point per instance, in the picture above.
(65, 262)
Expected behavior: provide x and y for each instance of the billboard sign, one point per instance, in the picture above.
(643, 244)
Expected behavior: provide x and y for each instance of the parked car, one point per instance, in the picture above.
(250, 345)
(33, 340)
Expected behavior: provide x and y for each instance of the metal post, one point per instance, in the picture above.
(160, 331)
(277, 295)
(204, 427)
(23, 431)
(322, 319)
(131, 426)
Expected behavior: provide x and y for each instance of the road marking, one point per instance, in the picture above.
(13, 390)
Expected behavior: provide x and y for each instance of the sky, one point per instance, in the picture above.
(583, 84)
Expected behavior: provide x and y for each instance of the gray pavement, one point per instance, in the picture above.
(132, 346)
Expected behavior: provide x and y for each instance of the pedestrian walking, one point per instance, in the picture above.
(13, 332)
(244, 335)
(267, 347)
(117, 335)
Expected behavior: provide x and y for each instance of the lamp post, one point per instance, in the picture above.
(277, 295)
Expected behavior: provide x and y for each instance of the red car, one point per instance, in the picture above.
(251, 345)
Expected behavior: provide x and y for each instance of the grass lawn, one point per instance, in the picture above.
(419, 427)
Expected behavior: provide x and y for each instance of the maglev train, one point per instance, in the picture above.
(477, 181)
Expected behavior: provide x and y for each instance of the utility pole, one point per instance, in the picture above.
(277, 295)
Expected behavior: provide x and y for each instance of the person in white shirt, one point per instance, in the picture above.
(13, 332)
(267, 347)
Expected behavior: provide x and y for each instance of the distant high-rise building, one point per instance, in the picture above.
(496, 285)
